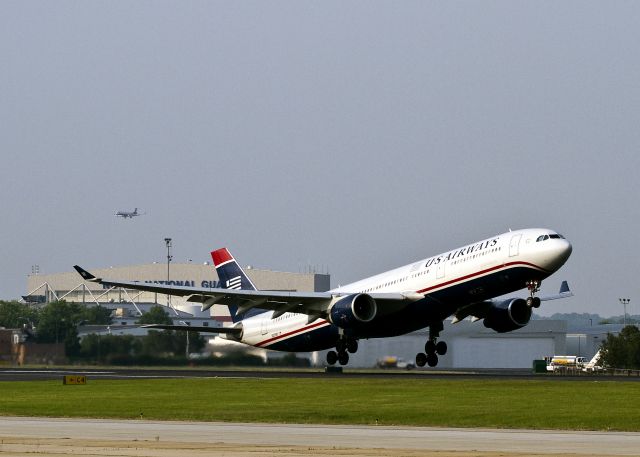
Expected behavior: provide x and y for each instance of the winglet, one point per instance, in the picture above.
(565, 292)
(85, 274)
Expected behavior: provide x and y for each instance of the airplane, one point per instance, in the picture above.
(128, 214)
(464, 282)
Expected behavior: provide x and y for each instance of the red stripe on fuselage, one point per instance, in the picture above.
(479, 273)
(444, 284)
(292, 333)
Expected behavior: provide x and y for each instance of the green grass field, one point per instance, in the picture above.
(535, 404)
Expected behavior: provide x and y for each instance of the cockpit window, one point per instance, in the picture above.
(552, 236)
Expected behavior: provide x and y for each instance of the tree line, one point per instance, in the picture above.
(58, 322)
(623, 350)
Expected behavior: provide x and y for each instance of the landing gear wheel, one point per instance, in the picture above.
(432, 360)
(441, 348)
(352, 346)
(430, 347)
(533, 302)
(343, 358)
(332, 357)
(421, 359)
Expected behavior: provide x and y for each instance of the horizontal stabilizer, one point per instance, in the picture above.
(192, 328)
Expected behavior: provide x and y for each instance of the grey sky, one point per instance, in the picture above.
(357, 135)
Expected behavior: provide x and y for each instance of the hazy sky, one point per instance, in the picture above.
(357, 135)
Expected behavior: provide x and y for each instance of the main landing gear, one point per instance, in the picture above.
(532, 300)
(341, 354)
(432, 348)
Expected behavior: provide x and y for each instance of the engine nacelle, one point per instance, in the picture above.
(353, 310)
(508, 315)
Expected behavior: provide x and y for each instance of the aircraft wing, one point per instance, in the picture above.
(314, 304)
(479, 310)
(565, 292)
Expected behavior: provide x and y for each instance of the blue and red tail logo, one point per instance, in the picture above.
(229, 272)
(231, 276)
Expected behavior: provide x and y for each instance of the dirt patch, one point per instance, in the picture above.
(29, 447)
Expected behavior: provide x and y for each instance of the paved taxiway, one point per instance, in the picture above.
(31, 374)
(512, 442)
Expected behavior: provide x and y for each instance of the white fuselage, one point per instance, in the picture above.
(526, 247)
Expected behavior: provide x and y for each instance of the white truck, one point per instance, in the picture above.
(559, 362)
(392, 361)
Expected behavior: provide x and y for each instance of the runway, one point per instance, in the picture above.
(95, 434)
(35, 374)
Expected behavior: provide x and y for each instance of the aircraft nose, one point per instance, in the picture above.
(562, 250)
(566, 249)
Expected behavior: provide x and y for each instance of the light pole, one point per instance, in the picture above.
(186, 351)
(167, 242)
(625, 302)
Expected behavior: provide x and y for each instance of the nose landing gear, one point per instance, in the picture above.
(532, 300)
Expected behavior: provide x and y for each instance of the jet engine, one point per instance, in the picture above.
(353, 310)
(508, 315)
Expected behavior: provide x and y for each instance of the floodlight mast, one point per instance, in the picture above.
(167, 242)
(624, 302)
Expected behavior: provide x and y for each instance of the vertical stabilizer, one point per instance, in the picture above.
(231, 276)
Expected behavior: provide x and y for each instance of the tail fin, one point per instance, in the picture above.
(232, 277)
(230, 274)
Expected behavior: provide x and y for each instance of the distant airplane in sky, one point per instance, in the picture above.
(128, 214)
(460, 283)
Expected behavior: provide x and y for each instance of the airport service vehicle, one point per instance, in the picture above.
(463, 282)
(565, 361)
(392, 361)
(593, 364)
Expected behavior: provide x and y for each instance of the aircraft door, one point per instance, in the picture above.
(514, 245)
(440, 270)
(263, 326)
